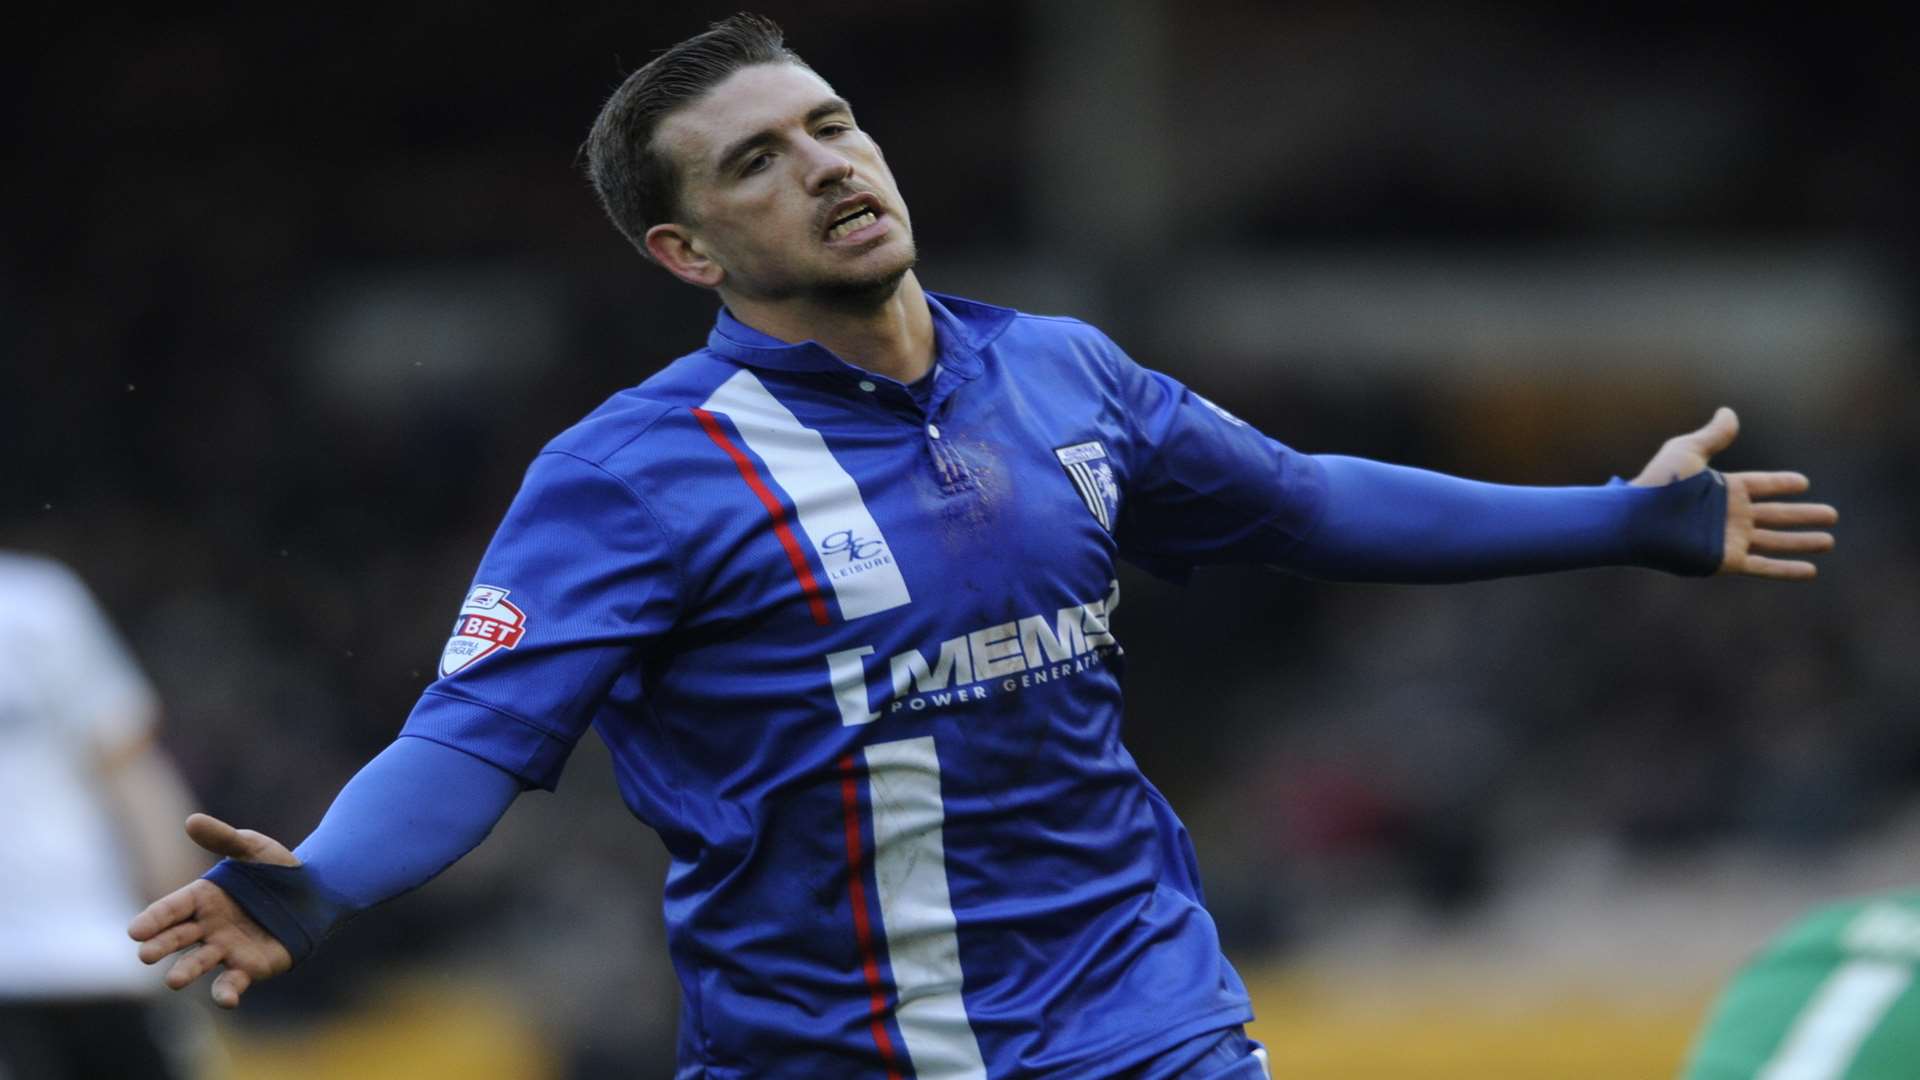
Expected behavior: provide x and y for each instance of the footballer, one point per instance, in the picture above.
(838, 589)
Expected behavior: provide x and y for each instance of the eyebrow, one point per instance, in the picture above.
(766, 136)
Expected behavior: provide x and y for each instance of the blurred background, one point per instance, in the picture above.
(289, 301)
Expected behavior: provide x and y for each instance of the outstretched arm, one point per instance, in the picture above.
(1384, 522)
(406, 816)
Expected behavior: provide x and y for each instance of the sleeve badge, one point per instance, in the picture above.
(488, 622)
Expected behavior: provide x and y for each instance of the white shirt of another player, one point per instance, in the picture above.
(70, 696)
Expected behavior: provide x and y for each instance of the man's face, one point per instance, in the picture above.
(784, 193)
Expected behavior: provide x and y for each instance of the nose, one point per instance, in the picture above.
(826, 170)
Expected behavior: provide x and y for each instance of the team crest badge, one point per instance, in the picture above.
(1092, 475)
(488, 622)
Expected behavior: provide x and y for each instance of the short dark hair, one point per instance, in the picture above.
(638, 185)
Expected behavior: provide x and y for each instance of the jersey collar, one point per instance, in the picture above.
(961, 329)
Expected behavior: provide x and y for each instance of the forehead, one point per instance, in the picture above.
(753, 99)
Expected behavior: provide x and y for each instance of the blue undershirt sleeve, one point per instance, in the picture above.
(1201, 486)
(1382, 522)
(403, 818)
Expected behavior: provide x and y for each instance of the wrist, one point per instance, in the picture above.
(1679, 527)
(285, 900)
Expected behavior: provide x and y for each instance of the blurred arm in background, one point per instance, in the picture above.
(148, 799)
(85, 790)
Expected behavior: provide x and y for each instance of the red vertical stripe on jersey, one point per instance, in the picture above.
(778, 513)
(862, 927)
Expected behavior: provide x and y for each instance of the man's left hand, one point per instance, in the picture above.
(1756, 530)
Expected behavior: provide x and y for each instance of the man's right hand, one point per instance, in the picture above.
(201, 919)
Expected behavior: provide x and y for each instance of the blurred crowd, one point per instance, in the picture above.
(289, 301)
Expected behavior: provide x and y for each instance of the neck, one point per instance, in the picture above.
(892, 338)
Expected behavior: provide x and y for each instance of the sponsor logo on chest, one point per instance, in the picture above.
(1004, 658)
(826, 500)
(847, 554)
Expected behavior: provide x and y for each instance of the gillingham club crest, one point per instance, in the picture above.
(488, 622)
(1092, 475)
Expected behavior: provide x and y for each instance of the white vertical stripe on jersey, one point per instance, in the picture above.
(825, 498)
(1841, 1015)
(916, 910)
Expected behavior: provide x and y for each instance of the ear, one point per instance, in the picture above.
(684, 256)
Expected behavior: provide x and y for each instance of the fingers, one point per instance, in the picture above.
(1766, 533)
(264, 848)
(1789, 543)
(195, 963)
(1718, 434)
(223, 839)
(1765, 485)
(1771, 542)
(175, 907)
(171, 941)
(1684, 455)
(229, 985)
(216, 836)
(1777, 569)
(1791, 515)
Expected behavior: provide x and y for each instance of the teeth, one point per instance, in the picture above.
(858, 221)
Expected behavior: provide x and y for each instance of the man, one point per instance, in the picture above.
(83, 784)
(1830, 998)
(837, 592)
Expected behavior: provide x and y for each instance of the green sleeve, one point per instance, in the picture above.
(1830, 998)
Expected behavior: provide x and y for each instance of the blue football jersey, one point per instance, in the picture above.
(853, 652)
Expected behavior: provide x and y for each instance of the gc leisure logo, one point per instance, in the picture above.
(847, 553)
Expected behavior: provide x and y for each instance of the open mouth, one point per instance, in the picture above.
(853, 218)
(859, 219)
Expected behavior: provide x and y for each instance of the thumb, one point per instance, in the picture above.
(223, 839)
(1718, 434)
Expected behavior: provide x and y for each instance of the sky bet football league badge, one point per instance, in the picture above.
(488, 622)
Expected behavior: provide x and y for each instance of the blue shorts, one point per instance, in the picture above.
(1217, 1055)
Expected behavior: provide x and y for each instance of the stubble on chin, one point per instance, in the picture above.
(866, 294)
(849, 292)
